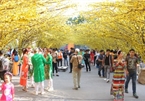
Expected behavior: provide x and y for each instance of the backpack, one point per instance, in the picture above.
(16, 58)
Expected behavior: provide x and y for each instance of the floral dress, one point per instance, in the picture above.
(7, 92)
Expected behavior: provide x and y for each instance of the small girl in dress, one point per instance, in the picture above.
(7, 88)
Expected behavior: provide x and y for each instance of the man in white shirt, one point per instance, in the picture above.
(6, 62)
(97, 55)
(30, 54)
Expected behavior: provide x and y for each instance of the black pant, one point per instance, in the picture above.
(94, 60)
(55, 67)
(101, 68)
(59, 62)
(87, 65)
(19, 68)
(70, 67)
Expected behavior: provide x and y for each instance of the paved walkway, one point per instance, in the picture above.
(93, 88)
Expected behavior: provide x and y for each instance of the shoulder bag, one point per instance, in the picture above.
(79, 64)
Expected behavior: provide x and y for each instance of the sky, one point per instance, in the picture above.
(83, 5)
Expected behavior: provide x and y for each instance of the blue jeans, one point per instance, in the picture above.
(133, 77)
(101, 68)
(65, 62)
(97, 66)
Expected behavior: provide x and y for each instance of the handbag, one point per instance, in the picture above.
(79, 65)
(97, 62)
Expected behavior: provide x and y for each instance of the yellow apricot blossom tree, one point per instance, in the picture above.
(107, 24)
(15, 19)
(28, 21)
(117, 24)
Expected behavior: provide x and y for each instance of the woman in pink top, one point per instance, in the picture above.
(7, 88)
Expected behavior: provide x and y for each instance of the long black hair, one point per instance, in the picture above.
(119, 52)
(24, 51)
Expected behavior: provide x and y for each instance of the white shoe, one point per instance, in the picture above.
(42, 93)
(105, 79)
(113, 96)
(108, 81)
(32, 86)
(36, 93)
(46, 88)
(51, 89)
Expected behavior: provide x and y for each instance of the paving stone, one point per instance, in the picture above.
(93, 88)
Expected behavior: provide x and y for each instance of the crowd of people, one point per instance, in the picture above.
(123, 65)
(124, 68)
(42, 64)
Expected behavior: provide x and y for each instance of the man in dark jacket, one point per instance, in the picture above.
(87, 60)
(101, 67)
(70, 56)
(108, 62)
(65, 54)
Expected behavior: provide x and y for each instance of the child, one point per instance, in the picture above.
(7, 88)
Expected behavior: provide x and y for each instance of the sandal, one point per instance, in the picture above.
(24, 90)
